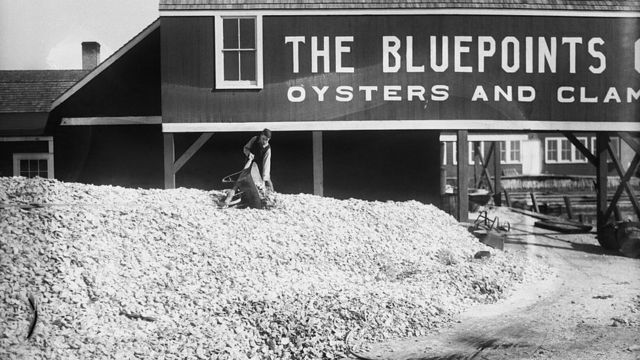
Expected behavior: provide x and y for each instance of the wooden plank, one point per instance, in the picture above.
(580, 146)
(497, 174)
(534, 202)
(169, 158)
(485, 166)
(111, 120)
(602, 138)
(567, 204)
(191, 151)
(318, 170)
(463, 176)
(506, 198)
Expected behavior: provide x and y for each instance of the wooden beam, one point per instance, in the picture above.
(624, 184)
(25, 138)
(191, 151)
(580, 146)
(567, 205)
(463, 176)
(633, 142)
(111, 120)
(485, 166)
(169, 157)
(497, 175)
(318, 171)
(534, 202)
(602, 138)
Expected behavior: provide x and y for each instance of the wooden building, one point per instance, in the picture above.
(357, 93)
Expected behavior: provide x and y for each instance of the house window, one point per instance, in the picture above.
(454, 153)
(510, 152)
(32, 165)
(443, 146)
(577, 154)
(238, 44)
(514, 151)
(562, 151)
(472, 149)
(615, 146)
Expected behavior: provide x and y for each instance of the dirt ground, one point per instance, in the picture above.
(588, 309)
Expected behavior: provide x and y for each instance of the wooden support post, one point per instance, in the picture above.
(169, 158)
(497, 174)
(506, 198)
(318, 179)
(567, 204)
(463, 176)
(534, 201)
(191, 151)
(602, 139)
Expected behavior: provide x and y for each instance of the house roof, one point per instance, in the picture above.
(34, 90)
(579, 5)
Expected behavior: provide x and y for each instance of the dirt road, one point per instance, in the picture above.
(589, 308)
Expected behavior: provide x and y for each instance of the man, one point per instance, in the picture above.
(258, 150)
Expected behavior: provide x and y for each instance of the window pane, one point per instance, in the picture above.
(230, 33)
(247, 33)
(515, 150)
(503, 151)
(565, 153)
(231, 65)
(552, 150)
(42, 165)
(43, 174)
(248, 65)
(24, 166)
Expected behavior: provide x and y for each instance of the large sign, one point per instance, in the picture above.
(435, 67)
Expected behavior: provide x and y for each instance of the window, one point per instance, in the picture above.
(454, 153)
(615, 146)
(472, 153)
(443, 146)
(31, 165)
(514, 151)
(578, 156)
(562, 151)
(238, 44)
(510, 152)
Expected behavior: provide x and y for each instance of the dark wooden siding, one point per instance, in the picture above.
(189, 96)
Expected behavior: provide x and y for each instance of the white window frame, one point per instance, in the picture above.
(443, 145)
(221, 83)
(471, 157)
(17, 157)
(454, 152)
(574, 151)
(507, 157)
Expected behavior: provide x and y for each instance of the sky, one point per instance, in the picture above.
(47, 34)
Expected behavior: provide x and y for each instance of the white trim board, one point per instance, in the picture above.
(338, 12)
(26, 138)
(486, 137)
(111, 120)
(502, 125)
(105, 64)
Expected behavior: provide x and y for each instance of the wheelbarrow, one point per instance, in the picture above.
(248, 189)
(490, 231)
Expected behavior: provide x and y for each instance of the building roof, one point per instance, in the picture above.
(34, 90)
(579, 5)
